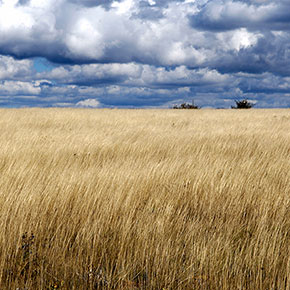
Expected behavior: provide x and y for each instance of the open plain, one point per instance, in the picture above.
(144, 199)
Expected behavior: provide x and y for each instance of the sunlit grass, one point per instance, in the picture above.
(144, 199)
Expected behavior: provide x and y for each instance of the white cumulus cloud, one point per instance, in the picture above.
(88, 103)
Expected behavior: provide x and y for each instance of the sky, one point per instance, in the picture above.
(144, 54)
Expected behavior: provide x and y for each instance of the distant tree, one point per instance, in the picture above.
(243, 104)
(186, 106)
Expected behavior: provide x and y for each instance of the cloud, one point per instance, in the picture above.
(138, 85)
(222, 15)
(134, 75)
(94, 3)
(88, 103)
(14, 69)
(18, 87)
(161, 33)
(82, 31)
(144, 53)
(94, 74)
(68, 32)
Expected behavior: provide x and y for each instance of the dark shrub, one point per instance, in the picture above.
(243, 104)
(186, 106)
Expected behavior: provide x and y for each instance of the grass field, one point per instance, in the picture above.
(144, 199)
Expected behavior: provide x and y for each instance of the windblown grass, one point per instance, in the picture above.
(144, 199)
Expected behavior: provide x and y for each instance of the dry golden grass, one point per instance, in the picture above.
(144, 199)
